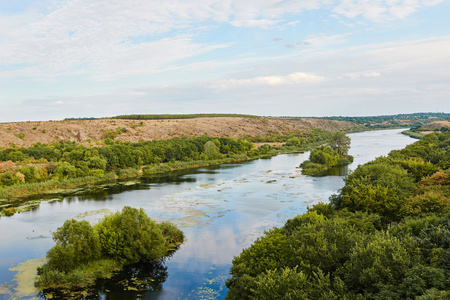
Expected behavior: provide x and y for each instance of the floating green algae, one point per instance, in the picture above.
(24, 279)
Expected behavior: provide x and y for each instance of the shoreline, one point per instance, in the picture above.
(72, 187)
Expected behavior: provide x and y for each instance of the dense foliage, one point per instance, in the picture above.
(180, 116)
(322, 158)
(386, 235)
(70, 160)
(85, 253)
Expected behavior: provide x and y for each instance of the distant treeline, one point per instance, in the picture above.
(180, 116)
(390, 119)
(393, 120)
(80, 119)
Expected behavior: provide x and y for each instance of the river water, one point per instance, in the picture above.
(222, 210)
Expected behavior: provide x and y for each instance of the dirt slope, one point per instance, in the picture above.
(25, 134)
(436, 125)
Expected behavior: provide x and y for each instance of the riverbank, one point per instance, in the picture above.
(414, 135)
(26, 197)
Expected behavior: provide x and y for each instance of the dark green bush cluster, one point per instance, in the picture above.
(385, 236)
(322, 158)
(84, 253)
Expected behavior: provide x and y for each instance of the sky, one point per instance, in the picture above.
(100, 58)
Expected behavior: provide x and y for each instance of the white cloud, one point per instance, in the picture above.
(381, 10)
(290, 79)
(112, 38)
(264, 23)
(358, 75)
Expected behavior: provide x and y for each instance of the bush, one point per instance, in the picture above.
(171, 234)
(131, 236)
(313, 169)
(76, 243)
(84, 253)
(128, 173)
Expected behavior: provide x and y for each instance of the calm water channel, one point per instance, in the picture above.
(222, 210)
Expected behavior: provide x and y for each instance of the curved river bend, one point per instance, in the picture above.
(222, 210)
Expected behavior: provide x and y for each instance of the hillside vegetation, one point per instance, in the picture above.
(386, 235)
(394, 121)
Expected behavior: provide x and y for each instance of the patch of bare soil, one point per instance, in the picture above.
(436, 125)
(92, 132)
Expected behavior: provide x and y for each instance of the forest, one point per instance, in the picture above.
(385, 235)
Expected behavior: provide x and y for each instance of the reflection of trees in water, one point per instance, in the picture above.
(338, 171)
(133, 281)
(175, 177)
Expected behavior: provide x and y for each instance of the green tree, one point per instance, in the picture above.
(288, 284)
(131, 236)
(76, 243)
(384, 260)
(339, 142)
(211, 151)
(65, 170)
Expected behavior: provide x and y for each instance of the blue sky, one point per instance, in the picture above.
(99, 58)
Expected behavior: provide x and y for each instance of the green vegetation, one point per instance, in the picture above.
(419, 129)
(394, 121)
(43, 168)
(81, 119)
(29, 169)
(413, 134)
(322, 158)
(180, 116)
(84, 254)
(384, 236)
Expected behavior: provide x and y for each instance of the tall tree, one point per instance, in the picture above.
(339, 142)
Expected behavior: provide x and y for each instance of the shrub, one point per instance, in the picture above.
(76, 243)
(131, 236)
(313, 169)
(171, 234)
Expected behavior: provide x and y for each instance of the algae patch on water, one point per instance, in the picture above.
(26, 272)
(92, 213)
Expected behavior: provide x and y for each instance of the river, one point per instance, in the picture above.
(222, 210)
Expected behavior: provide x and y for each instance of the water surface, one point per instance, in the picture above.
(222, 210)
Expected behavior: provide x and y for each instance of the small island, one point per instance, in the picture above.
(334, 154)
(84, 253)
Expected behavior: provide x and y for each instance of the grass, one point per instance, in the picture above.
(82, 277)
(314, 169)
(414, 135)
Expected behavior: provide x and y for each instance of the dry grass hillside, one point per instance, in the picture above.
(25, 134)
(436, 125)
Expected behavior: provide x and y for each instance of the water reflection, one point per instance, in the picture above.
(133, 281)
(338, 171)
